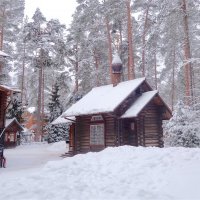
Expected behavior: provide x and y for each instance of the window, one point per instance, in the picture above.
(97, 134)
(138, 92)
(12, 137)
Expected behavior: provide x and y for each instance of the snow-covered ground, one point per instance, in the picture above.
(116, 173)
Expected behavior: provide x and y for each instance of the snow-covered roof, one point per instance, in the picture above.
(103, 99)
(62, 120)
(10, 121)
(3, 54)
(139, 104)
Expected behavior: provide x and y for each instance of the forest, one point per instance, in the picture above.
(55, 66)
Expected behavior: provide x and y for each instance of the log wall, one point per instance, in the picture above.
(151, 133)
(82, 133)
(12, 129)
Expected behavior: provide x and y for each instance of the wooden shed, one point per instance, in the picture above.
(129, 113)
(12, 133)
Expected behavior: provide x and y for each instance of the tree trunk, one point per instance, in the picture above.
(155, 67)
(120, 35)
(109, 48)
(96, 61)
(39, 118)
(2, 28)
(131, 67)
(144, 40)
(42, 116)
(76, 63)
(173, 79)
(187, 55)
(23, 73)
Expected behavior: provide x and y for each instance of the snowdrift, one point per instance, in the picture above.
(115, 173)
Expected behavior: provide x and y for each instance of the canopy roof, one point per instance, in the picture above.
(63, 120)
(103, 99)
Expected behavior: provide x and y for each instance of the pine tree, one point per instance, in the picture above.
(11, 18)
(15, 109)
(56, 132)
(50, 36)
(55, 107)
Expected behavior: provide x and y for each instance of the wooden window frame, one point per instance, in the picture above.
(97, 124)
(12, 137)
(96, 118)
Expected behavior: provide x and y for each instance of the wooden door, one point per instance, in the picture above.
(130, 132)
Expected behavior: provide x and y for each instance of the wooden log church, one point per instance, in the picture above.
(122, 113)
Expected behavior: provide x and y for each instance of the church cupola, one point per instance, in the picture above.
(116, 69)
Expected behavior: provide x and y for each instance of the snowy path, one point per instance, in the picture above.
(27, 158)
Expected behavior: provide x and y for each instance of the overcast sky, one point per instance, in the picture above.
(60, 9)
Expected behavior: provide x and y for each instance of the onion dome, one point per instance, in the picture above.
(116, 64)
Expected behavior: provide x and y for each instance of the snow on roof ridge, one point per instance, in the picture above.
(139, 104)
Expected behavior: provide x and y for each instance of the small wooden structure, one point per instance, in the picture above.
(130, 113)
(5, 92)
(126, 113)
(12, 133)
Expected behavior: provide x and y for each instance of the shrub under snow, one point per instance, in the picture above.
(183, 128)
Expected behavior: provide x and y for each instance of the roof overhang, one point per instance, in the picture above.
(3, 54)
(63, 120)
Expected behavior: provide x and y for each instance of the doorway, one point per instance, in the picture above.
(130, 132)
